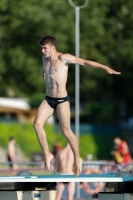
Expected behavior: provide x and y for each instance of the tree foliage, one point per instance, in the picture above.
(105, 36)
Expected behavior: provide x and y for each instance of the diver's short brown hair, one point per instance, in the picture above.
(48, 39)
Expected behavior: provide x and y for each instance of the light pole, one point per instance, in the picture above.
(77, 70)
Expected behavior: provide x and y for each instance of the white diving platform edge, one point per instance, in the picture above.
(111, 177)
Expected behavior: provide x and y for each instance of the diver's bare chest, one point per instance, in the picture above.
(52, 67)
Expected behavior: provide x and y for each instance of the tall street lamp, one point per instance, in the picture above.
(77, 69)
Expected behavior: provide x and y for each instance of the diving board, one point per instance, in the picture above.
(68, 178)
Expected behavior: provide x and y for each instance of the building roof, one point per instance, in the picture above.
(17, 103)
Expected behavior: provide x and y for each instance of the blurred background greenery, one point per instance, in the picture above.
(27, 141)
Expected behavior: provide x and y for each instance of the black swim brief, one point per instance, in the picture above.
(65, 183)
(10, 161)
(53, 102)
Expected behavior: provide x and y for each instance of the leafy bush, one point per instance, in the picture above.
(26, 137)
(36, 99)
(98, 145)
(97, 113)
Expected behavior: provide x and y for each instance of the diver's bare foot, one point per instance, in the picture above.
(48, 159)
(78, 166)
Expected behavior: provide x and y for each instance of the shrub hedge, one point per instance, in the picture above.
(97, 145)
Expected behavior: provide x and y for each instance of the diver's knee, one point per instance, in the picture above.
(67, 132)
(37, 125)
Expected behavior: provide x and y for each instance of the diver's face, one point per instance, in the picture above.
(47, 50)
